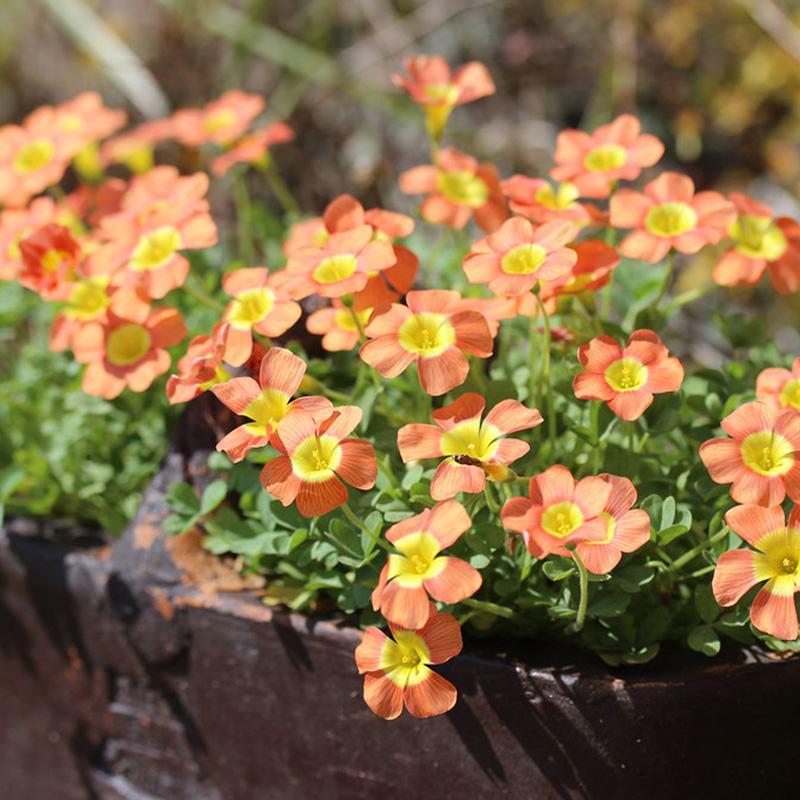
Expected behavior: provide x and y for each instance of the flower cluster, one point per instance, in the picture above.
(429, 418)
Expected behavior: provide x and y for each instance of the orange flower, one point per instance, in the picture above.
(259, 304)
(777, 561)
(418, 569)
(221, 121)
(669, 214)
(345, 213)
(32, 158)
(595, 162)
(458, 188)
(536, 199)
(161, 214)
(337, 326)
(266, 402)
(763, 243)
(397, 673)
(780, 388)
(626, 528)
(627, 378)
(135, 147)
(50, 258)
(431, 332)
(560, 511)
(253, 148)
(514, 258)
(431, 84)
(760, 459)
(202, 367)
(342, 265)
(595, 262)
(471, 449)
(127, 351)
(15, 225)
(316, 458)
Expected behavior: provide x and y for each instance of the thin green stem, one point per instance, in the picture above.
(690, 555)
(490, 501)
(632, 436)
(281, 191)
(583, 583)
(491, 608)
(244, 219)
(545, 375)
(667, 278)
(193, 289)
(376, 539)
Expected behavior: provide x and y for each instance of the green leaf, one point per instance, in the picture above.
(705, 603)
(610, 605)
(213, 495)
(558, 569)
(704, 640)
(182, 499)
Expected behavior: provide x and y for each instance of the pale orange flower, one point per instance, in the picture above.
(202, 367)
(221, 121)
(513, 259)
(127, 351)
(763, 244)
(458, 189)
(595, 162)
(135, 148)
(669, 214)
(431, 332)
(253, 148)
(536, 199)
(780, 388)
(337, 327)
(259, 304)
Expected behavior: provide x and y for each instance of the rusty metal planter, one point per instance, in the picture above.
(121, 677)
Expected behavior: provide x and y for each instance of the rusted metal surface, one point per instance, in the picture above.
(121, 679)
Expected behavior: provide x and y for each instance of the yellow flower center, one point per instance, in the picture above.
(404, 660)
(565, 197)
(220, 376)
(344, 319)
(219, 120)
(139, 159)
(267, 411)
(70, 123)
(155, 249)
(441, 93)
(34, 156)
(88, 299)
(626, 375)
(53, 259)
(779, 560)
(463, 188)
(251, 306)
(127, 344)
(316, 458)
(561, 519)
(426, 334)
(523, 259)
(335, 268)
(758, 237)
(605, 158)
(790, 394)
(417, 561)
(470, 439)
(767, 453)
(670, 219)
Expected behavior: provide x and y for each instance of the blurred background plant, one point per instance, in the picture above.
(717, 81)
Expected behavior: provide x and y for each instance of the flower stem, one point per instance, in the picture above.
(376, 539)
(281, 191)
(545, 375)
(490, 501)
(583, 582)
(244, 219)
(667, 277)
(491, 608)
(690, 555)
(198, 293)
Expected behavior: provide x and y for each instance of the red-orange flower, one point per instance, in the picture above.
(253, 148)
(514, 258)
(127, 351)
(316, 458)
(162, 213)
(471, 449)
(559, 512)
(458, 188)
(536, 199)
(761, 459)
(627, 378)
(626, 528)
(595, 262)
(776, 560)
(259, 304)
(595, 162)
(15, 225)
(763, 244)
(418, 570)
(431, 84)
(780, 388)
(396, 671)
(202, 367)
(221, 121)
(337, 327)
(50, 258)
(431, 332)
(266, 402)
(669, 214)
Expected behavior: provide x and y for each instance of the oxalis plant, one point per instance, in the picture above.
(498, 437)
